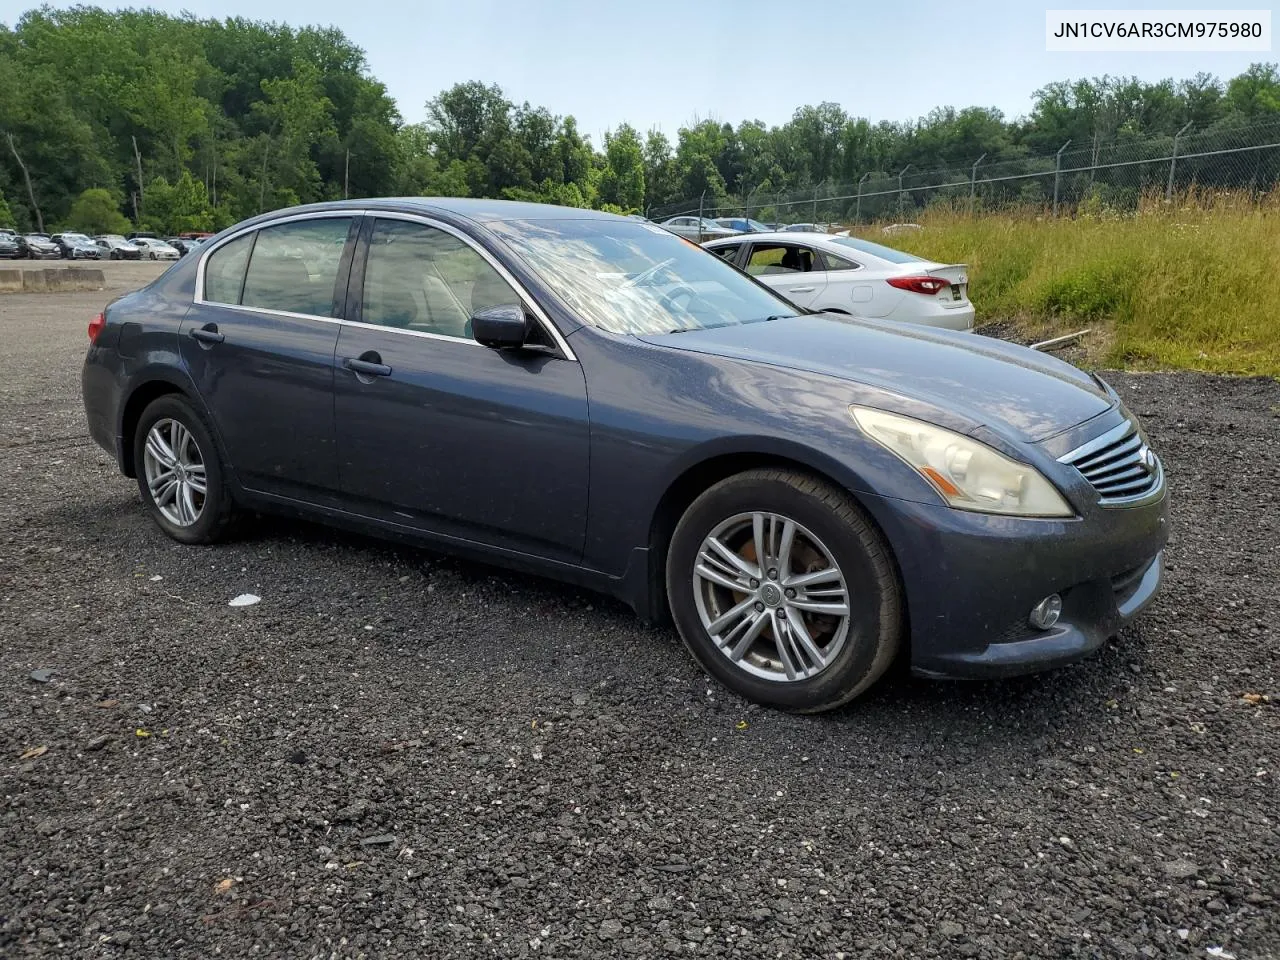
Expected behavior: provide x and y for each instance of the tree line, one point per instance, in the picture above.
(178, 123)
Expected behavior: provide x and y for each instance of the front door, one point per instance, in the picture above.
(792, 269)
(437, 432)
(259, 343)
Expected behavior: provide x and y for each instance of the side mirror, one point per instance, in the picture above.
(501, 327)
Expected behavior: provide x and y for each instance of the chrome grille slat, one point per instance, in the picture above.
(1123, 473)
(1115, 465)
(1136, 486)
(1112, 455)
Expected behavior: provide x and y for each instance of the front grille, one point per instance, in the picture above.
(1119, 464)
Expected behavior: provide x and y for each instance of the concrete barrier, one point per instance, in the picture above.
(51, 279)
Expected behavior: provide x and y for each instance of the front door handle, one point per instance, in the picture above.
(369, 365)
(207, 334)
(803, 289)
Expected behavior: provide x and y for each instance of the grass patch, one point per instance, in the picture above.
(1190, 285)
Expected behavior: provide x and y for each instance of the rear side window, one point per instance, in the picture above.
(728, 252)
(294, 266)
(224, 272)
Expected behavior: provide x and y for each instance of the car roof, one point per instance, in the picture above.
(782, 236)
(477, 209)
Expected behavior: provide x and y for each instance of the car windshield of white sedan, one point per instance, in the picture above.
(634, 278)
(876, 250)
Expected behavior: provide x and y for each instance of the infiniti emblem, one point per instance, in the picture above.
(771, 595)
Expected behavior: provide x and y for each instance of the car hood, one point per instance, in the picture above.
(986, 381)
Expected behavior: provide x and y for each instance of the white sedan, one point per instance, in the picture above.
(153, 249)
(853, 276)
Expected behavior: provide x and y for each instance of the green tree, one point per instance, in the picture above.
(622, 182)
(94, 212)
(1256, 92)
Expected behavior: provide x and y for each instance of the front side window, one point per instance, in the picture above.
(294, 266)
(634, 278)
(777, 258)
(421, 278)
(224, 270)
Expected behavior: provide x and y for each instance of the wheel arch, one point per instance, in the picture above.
(716, 465)
(147, 389)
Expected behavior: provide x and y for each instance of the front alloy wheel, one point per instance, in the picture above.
(771, 597)
(784, 590)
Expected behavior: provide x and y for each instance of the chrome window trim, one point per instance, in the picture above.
(424, 219)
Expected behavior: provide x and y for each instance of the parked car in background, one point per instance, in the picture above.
(848, 275)
(117, 247)
(805, 228)
(894, 228)
(76, 246)
(12, 246)
(155, 249)
(806, 495)
(697, 229)
(140, 235)
(742, 224)
(40, 246)
(183, 245)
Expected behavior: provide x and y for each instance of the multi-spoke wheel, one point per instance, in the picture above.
(784, 590)
(179, 473)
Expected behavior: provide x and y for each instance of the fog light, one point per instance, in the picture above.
(1046, 613)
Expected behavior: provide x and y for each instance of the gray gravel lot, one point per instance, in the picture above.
(400, 755)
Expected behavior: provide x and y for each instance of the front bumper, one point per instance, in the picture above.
(971, 580)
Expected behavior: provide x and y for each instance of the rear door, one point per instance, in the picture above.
(435, 431)
(259, 343)
(793, 269)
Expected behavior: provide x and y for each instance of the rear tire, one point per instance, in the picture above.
(815, 624)
(180, 473)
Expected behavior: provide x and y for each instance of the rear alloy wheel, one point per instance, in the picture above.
(179, 473)
(784, 591)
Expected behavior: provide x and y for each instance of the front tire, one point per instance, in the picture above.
(784, 590)
(180, 474)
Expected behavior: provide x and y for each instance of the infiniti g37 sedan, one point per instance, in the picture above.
(595, 399)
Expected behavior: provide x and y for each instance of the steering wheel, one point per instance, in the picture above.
(669, 298)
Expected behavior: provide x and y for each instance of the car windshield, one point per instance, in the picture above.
(634, 278)
(876, 250)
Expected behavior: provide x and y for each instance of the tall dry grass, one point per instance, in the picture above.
(1193, 284)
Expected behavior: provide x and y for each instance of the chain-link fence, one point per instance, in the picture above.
(1114, 175)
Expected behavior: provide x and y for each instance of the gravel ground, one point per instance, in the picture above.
(400, 755)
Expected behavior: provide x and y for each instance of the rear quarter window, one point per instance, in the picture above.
(224, 270)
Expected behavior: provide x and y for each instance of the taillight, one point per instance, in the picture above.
(95, 327)
(926, 285)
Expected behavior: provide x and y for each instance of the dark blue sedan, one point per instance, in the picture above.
(593, 398)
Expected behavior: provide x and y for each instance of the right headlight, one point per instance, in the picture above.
(968, 474)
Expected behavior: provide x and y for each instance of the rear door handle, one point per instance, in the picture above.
(367, 368)
(207, 334)
(803, 289)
